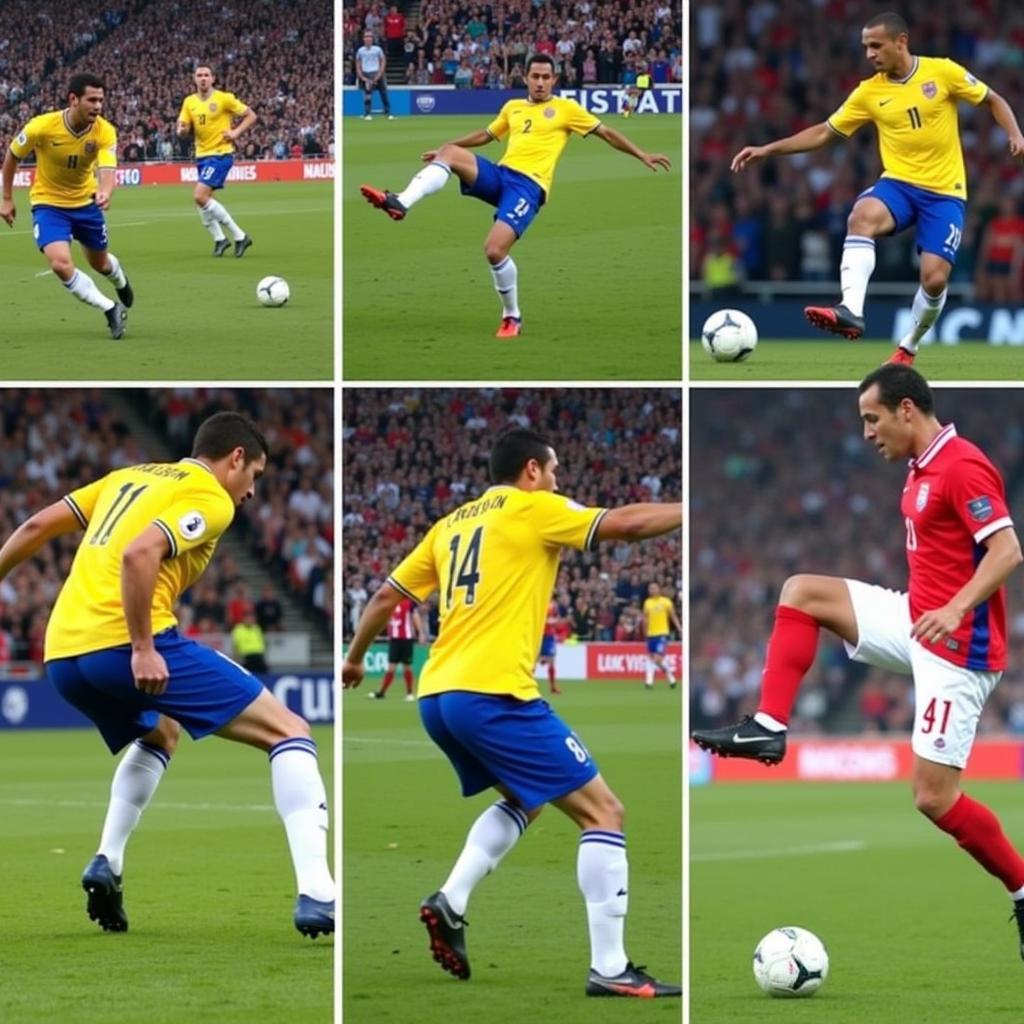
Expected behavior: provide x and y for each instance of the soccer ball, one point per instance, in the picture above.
(790, 962)
(728, 336)
(273, 291)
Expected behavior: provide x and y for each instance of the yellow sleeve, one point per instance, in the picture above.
(580, 121)
(83, 500)
(962, 84)
(499, 126)
(107, 156)
(853, 114)
(234, 105)
(416, 576)
(196, 518)
(560, 522)
(25, 141)
(185, 116)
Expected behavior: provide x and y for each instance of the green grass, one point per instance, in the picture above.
(599, 268)
(405, 823)
(194, 318)
(852, 361)
(209, 891)
(916, 931)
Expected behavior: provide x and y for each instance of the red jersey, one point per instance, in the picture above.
(551, 622)
(953, 500)
(400, 624)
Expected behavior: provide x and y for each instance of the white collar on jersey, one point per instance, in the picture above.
(197, 462)
(939, 441)
(908, 76)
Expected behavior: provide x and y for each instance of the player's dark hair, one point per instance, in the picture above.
(203, 64)
(542, 58)
(513, 450)
(82, 81)
(893, 23)
(896, 382)
(223, 432)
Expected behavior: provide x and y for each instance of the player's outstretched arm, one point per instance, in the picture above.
(7, 210)
(39, 529)
(470, 141)
(140, 564)
(619, 141)
(374, 618)
(815, 137)
(640, 521)
(1003, 115)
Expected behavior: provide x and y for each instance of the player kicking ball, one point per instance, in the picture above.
(537, 129)
(912, 102)
(948, 632)
(76, 161)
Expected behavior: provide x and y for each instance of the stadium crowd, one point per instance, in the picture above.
(277, 58)
(56, 440)
(484, 45)
(766, 70)
(411, 456)
(788, 486)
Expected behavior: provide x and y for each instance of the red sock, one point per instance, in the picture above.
(386, 683)
(977, 830)
(407, 672)
(791, 650)
(551, 673)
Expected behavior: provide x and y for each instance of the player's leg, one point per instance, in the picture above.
(650, 667)
(505, 275)
(410, 681)
(202, 195)
(367, 101)
(213, 174)
(110, 267)
(431, 178)
(382, 88)
(77, 282)
(389, 675)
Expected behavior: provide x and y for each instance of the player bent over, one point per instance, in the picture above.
(948, 631)
(912, 102)
(76, 150)
(112, 650)
(538, 129)
(494, 562)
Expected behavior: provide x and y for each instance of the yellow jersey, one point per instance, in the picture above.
(210, 119)
(918, 133)
(656, 615)
(494, 561)
(537, 134)
(66, 161)
(187, 503)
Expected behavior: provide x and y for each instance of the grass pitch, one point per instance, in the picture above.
(851, 361)
(915, 930)
(405, 822)
(599, 268)
(195, 317)
(209, 892)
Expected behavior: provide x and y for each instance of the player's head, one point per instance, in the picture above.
(653, 590)
(541, 75)
(885, 39)
(85, 96)
(524, 459)
(895, 402)
(235, 450)
(367, 39)
(203, 77)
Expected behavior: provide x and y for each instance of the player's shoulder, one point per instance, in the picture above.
(46, 123)
(963, 454)
(105, 129)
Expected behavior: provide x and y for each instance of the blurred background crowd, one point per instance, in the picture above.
(411, 456)
(276, 57)
(787, 486)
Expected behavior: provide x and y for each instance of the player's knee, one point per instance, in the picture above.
(494, 251)
(934, 280)
(862, 222)
(62, 266)
(798, 591)
(932, 801)
(607, 813)
(292, 726)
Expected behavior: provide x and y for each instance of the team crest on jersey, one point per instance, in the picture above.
(23, 139)
(922, 497)
(549, 112)
(980, 509)
(192, 525)
(930, 90)
(213, 108)
(90, 148)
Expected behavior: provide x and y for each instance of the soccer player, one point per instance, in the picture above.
(209, 113)
(658, 612)
(494, 561)
(549, 644)
(112, 650)
(404, 625)
(76, 160)
(370, 65)
(948, 631)
(912, 102)
(538, 129)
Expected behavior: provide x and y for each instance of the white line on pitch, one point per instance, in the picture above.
(156, 805)
(846, 846)
(345, 738)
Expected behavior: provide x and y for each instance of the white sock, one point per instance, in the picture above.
(668, 671)
(210, 221)
(769, 723)
(135, 780)
(855, 270)
(491, 836)
(83, 287)
(115, 273)
(425, 182)
(603, 875)
(301, 801)
(649, 672)
(505, 277)
(1017, 894)
(223, 217)
(926, 310)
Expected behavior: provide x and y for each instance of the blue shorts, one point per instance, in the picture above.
(547, 647)
(206, 689)
(213, 170)
(522, 745)
(939, 219)
(657, 644)
(57, 224)
(517, 197)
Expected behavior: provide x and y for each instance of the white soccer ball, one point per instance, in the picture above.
(273, 291)
(790, 962)
(728, 336)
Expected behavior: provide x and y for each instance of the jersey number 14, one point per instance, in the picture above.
(467, 576)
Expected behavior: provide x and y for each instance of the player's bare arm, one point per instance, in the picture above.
(7, 209)
(619, 141)
(640, 521)
(48, 523)
(470, 141)
(248, 120)
(815, 137)
(374, 618)
(107, 178)
(1002, 556)
(1003, 115)
(139, 567)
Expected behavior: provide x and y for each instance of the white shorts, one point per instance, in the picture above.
(947, 698)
